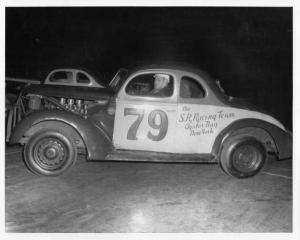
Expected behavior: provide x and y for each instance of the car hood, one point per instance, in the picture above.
(85, 93)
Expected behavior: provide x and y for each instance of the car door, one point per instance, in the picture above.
(144, 121)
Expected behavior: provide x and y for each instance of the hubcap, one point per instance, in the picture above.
(246, 158)
(50, 153)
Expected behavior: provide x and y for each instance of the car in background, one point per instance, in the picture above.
(153, 113)
(73, 77)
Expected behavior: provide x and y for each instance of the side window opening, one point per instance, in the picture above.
(82, 78)
(151, 85)
(190, 88)
(62, 77)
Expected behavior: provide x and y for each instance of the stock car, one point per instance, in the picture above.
(194, 121)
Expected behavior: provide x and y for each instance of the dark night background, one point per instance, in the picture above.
(248, 49)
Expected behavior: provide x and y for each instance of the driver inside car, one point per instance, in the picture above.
(161, 85)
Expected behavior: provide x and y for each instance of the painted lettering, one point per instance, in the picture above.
(221, 114)
(202, 124)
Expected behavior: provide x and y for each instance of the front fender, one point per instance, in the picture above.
(283, 139)
(97, 142)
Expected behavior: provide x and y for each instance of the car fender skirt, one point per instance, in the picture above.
(283, 139)
(97, 142)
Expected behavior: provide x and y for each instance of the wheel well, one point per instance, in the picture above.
(78, 140)
(258, 133)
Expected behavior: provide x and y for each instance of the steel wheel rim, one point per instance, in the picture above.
(50, 153)
(246, 158)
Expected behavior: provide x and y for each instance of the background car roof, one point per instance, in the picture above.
(91, 73)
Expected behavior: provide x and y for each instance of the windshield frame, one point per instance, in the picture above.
(119, 79)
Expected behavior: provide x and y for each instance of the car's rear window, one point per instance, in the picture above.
(62, 77)
(82, 78)
(191, 88)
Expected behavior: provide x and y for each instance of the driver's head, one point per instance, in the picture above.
(161, 81)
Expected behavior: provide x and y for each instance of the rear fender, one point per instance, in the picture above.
(282, 140)
(96, 140)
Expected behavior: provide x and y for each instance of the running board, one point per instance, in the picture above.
(145, 156)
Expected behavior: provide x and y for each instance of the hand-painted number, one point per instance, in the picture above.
(131, 135)
(162, 126)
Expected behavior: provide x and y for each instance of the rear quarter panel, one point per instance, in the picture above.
(199, 125)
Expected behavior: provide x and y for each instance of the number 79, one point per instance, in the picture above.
(162, 126)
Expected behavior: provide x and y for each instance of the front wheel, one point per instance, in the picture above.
(50, 152)
(242, 157)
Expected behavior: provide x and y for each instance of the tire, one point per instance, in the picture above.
(50, 152)
(243, 157)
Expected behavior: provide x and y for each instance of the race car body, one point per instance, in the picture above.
(153, 113)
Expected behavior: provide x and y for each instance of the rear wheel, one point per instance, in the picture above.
(242, 157)
(50, 152)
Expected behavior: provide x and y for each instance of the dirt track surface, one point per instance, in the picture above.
(146, 197)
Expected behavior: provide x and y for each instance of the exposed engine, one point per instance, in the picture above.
(33, 102)
(78, 106)
(74, 105)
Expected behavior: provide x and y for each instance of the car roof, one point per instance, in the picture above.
(82, 69)
(72, 70)
(180, 67)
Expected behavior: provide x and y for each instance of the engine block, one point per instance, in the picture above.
(78, 106)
